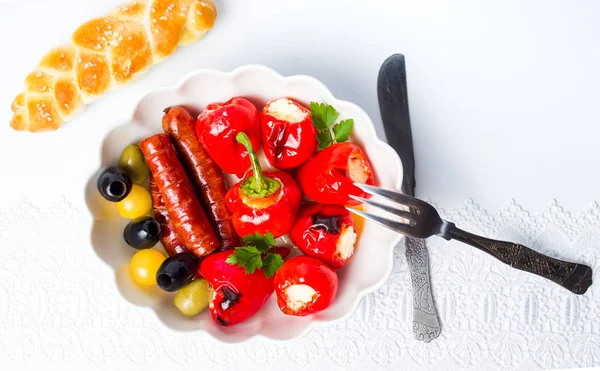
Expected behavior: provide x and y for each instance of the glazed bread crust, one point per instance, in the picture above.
(107, 52)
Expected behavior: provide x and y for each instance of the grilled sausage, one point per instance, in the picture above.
(206, 176)
(168, 237)
(185, 211)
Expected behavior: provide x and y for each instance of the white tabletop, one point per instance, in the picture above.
(504, 104)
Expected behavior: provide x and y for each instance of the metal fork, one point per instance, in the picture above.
(423, 221)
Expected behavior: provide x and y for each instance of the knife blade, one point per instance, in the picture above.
(393, 103)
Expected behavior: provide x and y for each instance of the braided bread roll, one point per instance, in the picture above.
(106, 52)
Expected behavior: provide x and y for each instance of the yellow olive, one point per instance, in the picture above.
(132, 161)
(137, 203)
(193, 298)
(144, 265)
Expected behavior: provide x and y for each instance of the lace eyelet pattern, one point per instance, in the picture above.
(59, 304)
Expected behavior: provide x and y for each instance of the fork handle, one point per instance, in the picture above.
(572, 276)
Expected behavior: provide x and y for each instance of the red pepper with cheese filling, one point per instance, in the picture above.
(325, 232)
(305, 285)
(288, 134)
(329, 176)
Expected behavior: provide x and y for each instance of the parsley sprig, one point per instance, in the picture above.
(258, 252)
(324, 116)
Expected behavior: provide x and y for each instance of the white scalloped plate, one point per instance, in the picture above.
(369, 268)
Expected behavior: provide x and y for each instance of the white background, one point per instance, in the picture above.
(503, 94)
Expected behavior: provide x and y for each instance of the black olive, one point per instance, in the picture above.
(142, 233)
(177, 271)
(114, 184)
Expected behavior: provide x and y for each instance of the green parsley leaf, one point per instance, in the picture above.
(316, 113)
(270, 239)
(232, 259)
(343, 129)
(272, 263)
(323, 115)
(262, 243)
(330, 115)
(248, 257)
(325, 139)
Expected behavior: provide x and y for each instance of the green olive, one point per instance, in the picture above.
(132, 161)
(193, 298)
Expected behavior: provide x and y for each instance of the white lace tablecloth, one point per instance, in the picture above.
(59, 307)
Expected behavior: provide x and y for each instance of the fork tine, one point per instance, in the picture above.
(401, 213)
(395, 226)
(394, 196)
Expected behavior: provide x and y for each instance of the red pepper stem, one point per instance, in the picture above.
(260, 182)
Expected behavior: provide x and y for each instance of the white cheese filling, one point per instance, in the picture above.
(300, 295)
(285, 110)
(357, 169)
(345, 244)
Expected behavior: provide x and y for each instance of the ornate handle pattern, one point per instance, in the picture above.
(572, 276)
(426, 325)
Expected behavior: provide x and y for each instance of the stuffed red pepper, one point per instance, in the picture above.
(326, 232)
(305, 285)
(217, 127)
(236, 295)
(329, 177)
(288, 134)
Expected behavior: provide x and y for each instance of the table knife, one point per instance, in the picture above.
(393, 103)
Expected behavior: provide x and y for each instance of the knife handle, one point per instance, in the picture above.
(574, 277)
(426, 324)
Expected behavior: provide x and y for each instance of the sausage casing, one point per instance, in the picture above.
(205, 174)
(186, 213)
(168, 237)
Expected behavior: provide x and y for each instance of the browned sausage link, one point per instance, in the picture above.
(204, 172)
(168, 237)
(185, 211)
